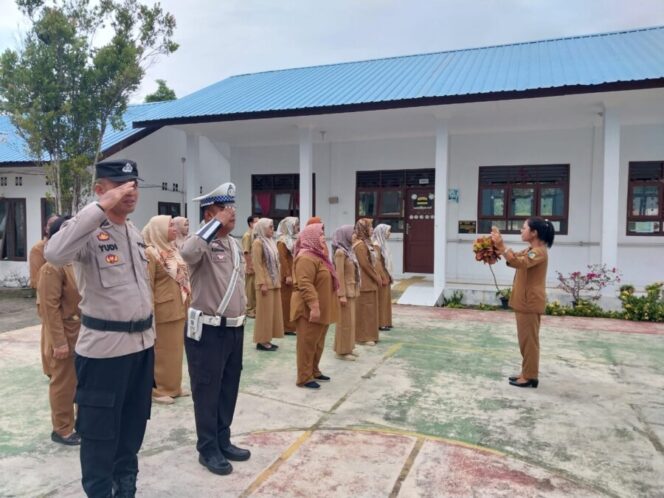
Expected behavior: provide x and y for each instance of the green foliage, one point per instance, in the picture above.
(504, 293)
(486, 307)
(582, 308)
(61, 90)
(162, 94)
(454, 301)
(649, 307)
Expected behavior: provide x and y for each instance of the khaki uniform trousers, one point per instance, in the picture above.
(44, 353)
(527, 326)
(250, 292)
(269, 322)
(367, 308)
(168, 353)
(344, 333)
(385, 306)
(61, 393)
(310, 343)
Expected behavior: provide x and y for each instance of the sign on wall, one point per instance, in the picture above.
(467, 226)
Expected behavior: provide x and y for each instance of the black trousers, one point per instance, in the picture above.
(114, 397)
(215, 365)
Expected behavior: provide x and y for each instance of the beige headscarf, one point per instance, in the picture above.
(155, 234)
(286, 232)
(362, 236)
(270, 253)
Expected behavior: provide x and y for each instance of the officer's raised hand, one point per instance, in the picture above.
(111, 197)
(225, 215)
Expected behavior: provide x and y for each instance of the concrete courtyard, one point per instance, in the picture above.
(427, 412)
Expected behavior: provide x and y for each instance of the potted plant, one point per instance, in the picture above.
(588, 284)
(504, 296)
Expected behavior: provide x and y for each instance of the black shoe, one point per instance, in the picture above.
(311, 385)
(274, 346)
(72, 440)
(384, 329)
(216, 464)
(232, 452)
(512, 378)
(323, 378)
(529, 383)
(290, 333)
(260, 347)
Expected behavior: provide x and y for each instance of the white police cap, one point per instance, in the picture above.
(223, 194)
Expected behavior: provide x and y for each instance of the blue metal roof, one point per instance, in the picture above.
(578, 62)
(13, 148)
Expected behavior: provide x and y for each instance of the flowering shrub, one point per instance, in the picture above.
(644, 308)
(589, 284)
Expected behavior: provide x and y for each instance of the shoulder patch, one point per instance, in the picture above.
(532, 254)
(103, 236)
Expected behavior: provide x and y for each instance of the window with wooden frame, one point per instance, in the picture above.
(47, 208)
(278, 196)
(13, 243)
(168, 208)
(509, 195)
(380, 194)
(645, 197)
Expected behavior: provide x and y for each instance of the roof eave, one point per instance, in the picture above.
(404, 103)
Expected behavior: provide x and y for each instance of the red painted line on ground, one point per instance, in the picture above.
(569, 322)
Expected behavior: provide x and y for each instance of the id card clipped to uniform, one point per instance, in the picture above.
(195, 324)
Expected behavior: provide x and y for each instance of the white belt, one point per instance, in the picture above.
(215, 321)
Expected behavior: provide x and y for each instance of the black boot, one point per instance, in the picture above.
(125, 486)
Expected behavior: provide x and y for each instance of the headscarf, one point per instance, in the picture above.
(311, 221)
(270, 253)
(342, 239)
(362, 236)
(314, 219)
(380, 239)
(286, 232)
(155, 234)
(310, 243)
(181, 229)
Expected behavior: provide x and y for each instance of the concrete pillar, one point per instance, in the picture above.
(192, 184)
(442, 160)
(610, 189)
(306, 169)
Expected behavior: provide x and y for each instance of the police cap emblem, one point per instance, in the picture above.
(127, 168)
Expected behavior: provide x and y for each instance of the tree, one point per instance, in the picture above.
(162, 94)
(62, 90)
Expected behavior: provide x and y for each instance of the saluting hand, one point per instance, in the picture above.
(111, 197)
(225, 215)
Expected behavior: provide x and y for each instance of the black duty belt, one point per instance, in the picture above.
(116, 326)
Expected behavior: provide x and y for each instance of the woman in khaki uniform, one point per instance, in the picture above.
(367, 304)
(171, 293)
(348, 272)
(314, 304)
(528, 297)
(181, 230)
(61, 316)
(269, 315)
(384, 268)
(287, 230)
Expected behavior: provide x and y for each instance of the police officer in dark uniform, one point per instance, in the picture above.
(115, 354)
(215, 329)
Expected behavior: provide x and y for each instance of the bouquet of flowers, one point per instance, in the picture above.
(485, 251)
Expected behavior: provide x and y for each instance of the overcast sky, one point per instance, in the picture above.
(221, 38)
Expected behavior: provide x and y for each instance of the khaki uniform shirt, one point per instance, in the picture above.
(247, 239)
(370, 278)
(211, 268)
(262, 275)
(59, 305)
(168, 304)
(314, 285)
(36, 261)
(112, 277)
(381, 267)
(529, 287)
(285, 262)
(345, 267)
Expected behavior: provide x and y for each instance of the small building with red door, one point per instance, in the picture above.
(441, 147)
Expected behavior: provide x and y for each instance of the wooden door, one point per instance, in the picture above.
(418, 240)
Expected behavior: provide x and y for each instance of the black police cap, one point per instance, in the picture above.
(120, 170)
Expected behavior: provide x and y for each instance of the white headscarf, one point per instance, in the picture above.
(270, 253)
(379, 237)
(286, 232)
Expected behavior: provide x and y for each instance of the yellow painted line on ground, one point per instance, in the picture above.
(400, 287)
(270, 471)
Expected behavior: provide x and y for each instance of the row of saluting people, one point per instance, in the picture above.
(358, 283)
